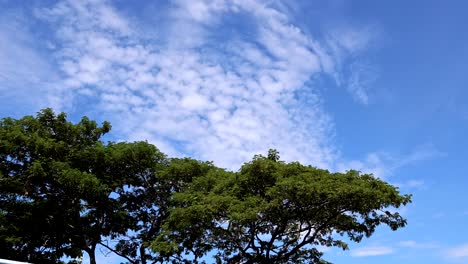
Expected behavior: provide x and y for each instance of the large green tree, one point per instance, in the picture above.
(63, 191)
(49, 191)
(60, 186)
(276, 212)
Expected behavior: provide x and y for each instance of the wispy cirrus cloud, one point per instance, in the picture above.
(347, 46)
(372, 251)
(455, 253)
(412, 244)
(400, 247)
(459, 252)
(383, 164)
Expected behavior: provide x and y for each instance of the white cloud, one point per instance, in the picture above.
(372, 251)
(408, 243)
(195, 98)
(421, 153)
(195, 102)
(353, 40)
(203, 11)
(103, 16)
(383, 164)
(348, 44)
(458, 252)
(411, 184)
(360, 81)
(375, 163)
(418, 245)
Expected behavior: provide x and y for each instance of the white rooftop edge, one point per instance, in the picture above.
(6, 261)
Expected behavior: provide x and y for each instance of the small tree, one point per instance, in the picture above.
(277, 212)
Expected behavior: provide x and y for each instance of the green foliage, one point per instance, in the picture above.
(148, 197)
(59, 186)
(47, 186)
(276, 212)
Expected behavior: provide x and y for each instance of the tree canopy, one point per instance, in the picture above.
(277, 212)
(63, 191)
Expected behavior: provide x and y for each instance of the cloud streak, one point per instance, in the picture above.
(347, 44)
(458, 252)
(372, 251)
(383, 164)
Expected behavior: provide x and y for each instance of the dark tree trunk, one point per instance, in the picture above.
(92, 258)
(143, 255)
(92, 255)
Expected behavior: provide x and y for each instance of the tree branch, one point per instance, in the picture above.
(118, 253)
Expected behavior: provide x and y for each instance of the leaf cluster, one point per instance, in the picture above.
(276, 212)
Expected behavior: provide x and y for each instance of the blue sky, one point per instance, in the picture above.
(377, 86)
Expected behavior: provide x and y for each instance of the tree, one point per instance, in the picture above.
(58, 185)
(63, 191)
(276, 212)
(47, 186)
(148, 198)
